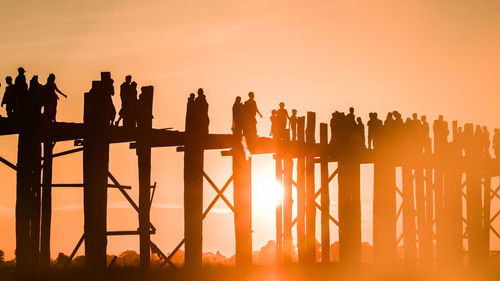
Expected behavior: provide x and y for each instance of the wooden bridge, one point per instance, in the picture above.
(434, 183)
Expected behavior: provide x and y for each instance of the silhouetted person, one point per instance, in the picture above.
(496, 143)
(374, 130)
(128, 111)
(251, 110)
(440, 128)
(237, 125)
(9, 98)
(35, 98)
(361, 131)
(21, 91)
(109, 92)
(50, 98)
(201, 112)
(190, 125)
(486, 142)
(293, 124)
(425, 134)
(274, 124)
(351, 118)
(282, 119)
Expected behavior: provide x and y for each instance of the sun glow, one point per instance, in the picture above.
(267, 193)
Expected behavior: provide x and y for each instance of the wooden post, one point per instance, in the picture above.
(310, 191)
(28, 197)
(384, 211)
(95, 179)
(193, 199)
(486, 216)
(46, 205)
(301, 192)
(144, 124)
(242, 182)
(349, 210)
(424, 242)
(409, 231)
(325, 195)
(279, 208)
(287, 209)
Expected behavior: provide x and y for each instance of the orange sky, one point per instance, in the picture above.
(425, 56)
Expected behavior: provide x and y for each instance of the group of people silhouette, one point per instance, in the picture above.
(197, 120)
(245, 116)
(21, 101)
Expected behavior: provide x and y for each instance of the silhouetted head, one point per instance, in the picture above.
(128, 78)
(423, 118)
(273, 112)
(200, 91)
(478, 128)
(460, 130)
(282, 105)
(389, 115)
(294, 111)
(51, 78)
(351, 110)
(251, 95)
(133, 84)
(415, 116)
(485, 128)
(440, 118)
(8, 80)
(191, 96)
(20, 70)
(34, 79)
(238, 99)
(359, 120)
(375, 114)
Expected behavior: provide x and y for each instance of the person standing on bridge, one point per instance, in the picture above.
(250, 110)
(50, 98)
(440, 128)
(200, 107)
(282, 119)
(21, 89)
(293, 124)
(360, 129)
(426, 141)
(109, 92)
(190, 114)
(374, 130)
(486, 142)
(496, 143)
(9, 98)
(126, 112)
(237, 126)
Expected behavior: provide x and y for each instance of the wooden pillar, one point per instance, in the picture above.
(193, 199)
(424, 240)
(452, 251)
(95, 180)
(279, 208)
(46, 205)
(28, 197)
(486, 217)
(325, 195)
(144, 124)
(287, 209)
(310, 191)
(349, 210)
(384, 211)
(409, 231)
(301, 192)
(242, 182)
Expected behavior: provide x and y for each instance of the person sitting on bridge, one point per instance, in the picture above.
(374, 130)
(496, 143)
(250, 110)
(50, 98)
(237, 126)
(282, 120)
(293, 124)
(9, 98)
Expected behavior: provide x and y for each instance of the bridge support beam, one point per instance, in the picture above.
(301, 193)
(287, 209)
(409, 230)
(95, 180)
(242, 183)
(46, 206)
(349, 211)
(278, 159)
(310, 191)
(325, 195)
(384, 213)
(144, 165)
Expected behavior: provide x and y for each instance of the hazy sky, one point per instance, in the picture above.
(429, 56)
